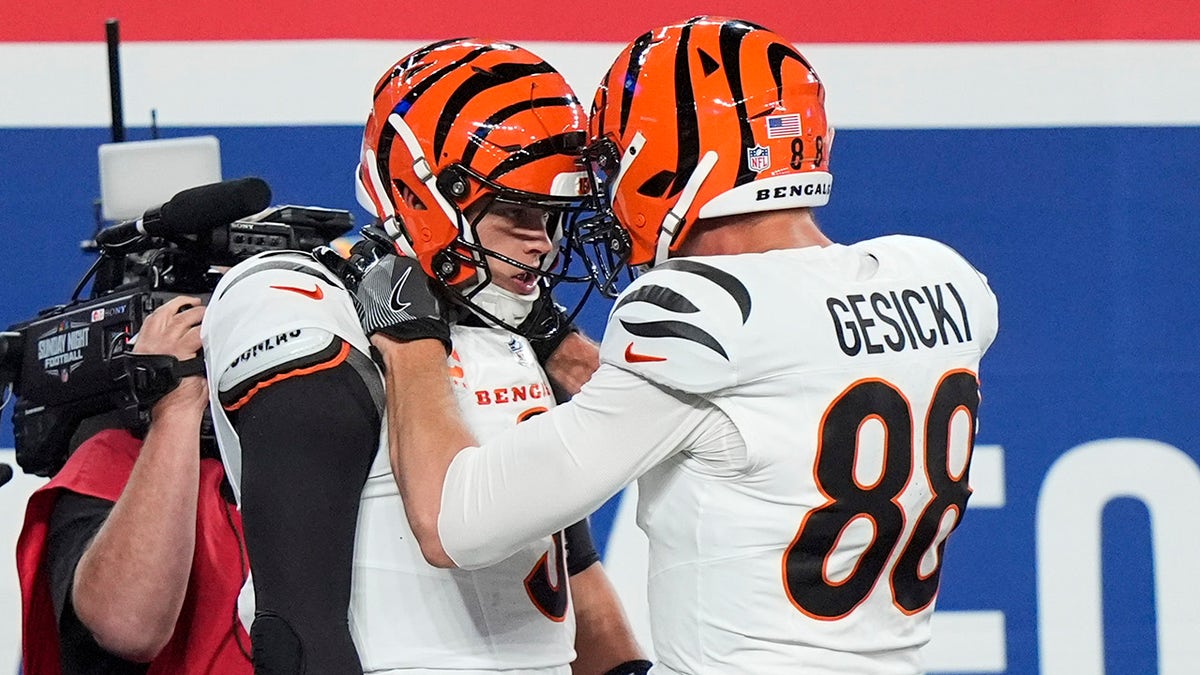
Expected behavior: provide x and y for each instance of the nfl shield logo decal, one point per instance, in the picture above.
(759, 158)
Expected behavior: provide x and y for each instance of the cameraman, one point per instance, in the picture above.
(130, 558)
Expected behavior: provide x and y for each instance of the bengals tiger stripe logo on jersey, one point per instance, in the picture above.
(676, 303)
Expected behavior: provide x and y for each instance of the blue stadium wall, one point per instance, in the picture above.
(1086, 234)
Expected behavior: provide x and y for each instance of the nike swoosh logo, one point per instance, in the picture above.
(396, 301)
(316, 293)
(633, 357)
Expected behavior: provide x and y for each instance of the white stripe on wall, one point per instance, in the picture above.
(967, 642)
(987, 478)
(296, 82)
(13, 497)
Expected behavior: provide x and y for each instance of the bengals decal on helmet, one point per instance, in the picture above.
(459, 122)
(712, 117)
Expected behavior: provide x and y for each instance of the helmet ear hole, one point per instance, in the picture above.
(452, 183)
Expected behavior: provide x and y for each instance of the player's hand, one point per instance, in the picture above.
(174, 330)
(395, 299)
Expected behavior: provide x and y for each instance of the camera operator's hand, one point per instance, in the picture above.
(174, 330)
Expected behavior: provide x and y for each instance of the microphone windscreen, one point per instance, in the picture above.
(203, 208)
(6, 473)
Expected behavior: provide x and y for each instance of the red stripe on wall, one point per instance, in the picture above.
(828, 21)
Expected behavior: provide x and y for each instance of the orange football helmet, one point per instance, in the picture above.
(711, 117)
(468, 124)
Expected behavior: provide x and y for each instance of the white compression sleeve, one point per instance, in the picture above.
(557, 468)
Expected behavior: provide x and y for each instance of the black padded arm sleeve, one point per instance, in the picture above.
(307, 447)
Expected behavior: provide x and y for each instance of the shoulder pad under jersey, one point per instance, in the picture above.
(251, 269)
(680, 325)
(934, 257)
(274, 316)
(934, 252)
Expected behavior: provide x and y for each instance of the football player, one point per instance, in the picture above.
(800, 414)
(470, 161)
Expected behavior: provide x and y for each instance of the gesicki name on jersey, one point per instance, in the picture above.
(914, 318)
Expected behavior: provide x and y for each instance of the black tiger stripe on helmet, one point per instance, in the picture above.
(704, 117)
(458, 129)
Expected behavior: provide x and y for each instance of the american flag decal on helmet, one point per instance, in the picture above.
(783, 126)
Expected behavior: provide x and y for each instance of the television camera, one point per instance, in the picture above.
(71, 361)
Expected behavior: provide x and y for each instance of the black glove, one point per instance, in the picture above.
(395, 298)
(546, 326)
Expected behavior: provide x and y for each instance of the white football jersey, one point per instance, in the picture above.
(405, 615)
(850, 373)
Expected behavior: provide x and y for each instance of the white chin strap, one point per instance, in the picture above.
(674, 218)
(505, 305)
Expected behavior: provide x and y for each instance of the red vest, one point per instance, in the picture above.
(204, 640)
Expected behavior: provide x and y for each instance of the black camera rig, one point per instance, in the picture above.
(68, 363)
